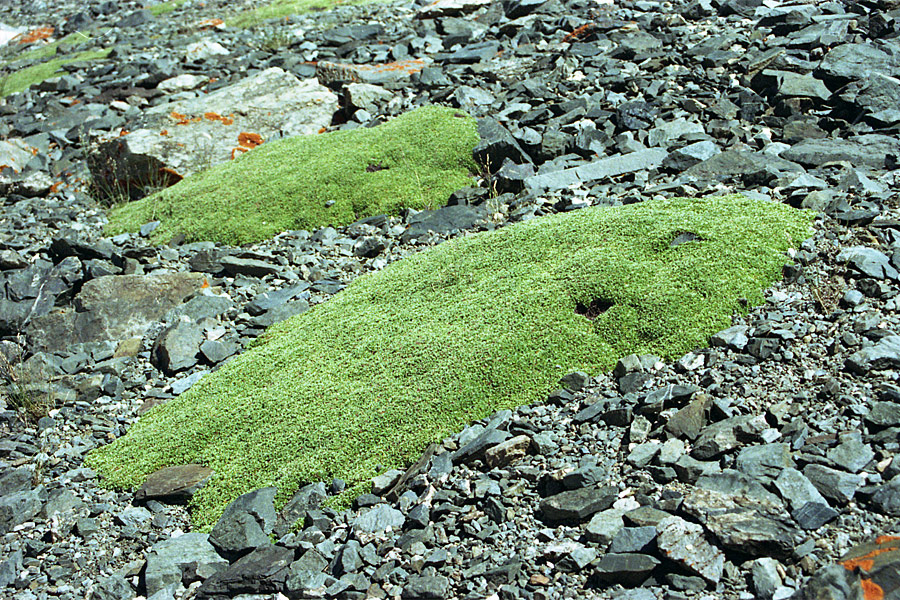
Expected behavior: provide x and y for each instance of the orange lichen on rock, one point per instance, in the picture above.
(55, 187)
(171, 174)
(217, 117)
(181, 119)
(238, 149)
(884, 539)
(7, 167)
(41, 33)
(866, 561)
(249, 140)
(164, 132)
(412, 65)
(210, 24)
(123, 133)
(871, 590)
(579, 32)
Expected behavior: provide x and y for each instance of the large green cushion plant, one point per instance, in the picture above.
(305, 182)
(409, 355)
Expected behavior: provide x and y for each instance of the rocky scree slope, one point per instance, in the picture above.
(773, 453)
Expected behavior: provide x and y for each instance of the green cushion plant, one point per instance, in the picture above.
(415, 160)
(408, 355)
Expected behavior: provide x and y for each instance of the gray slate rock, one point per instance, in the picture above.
(734, 338)
(245, 524)
(496, 144)
(575, 506)
(114, 307)
(600, 169)
(796, 489)
(173, 484)
(176, 347)
(835, 485)
(443, 220)
(883, 355)
(19, 507)
(280, 313)
(857, 61)
(625, 569)
(264, 570)
(869, 262)
(684, 543)
(426, 587)
(851, 455)
(170, 560)
(870, 149)
(113, 587)
(379, 518)
(269, 300)
(308, 497)
(886, 499)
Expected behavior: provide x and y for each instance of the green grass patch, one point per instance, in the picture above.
(165, 7)
(285, 8)
(416, 160)
(411, 354)
(21, 79)
(40, 52)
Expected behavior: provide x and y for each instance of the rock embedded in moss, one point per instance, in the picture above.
(409, 355)
(306, 182)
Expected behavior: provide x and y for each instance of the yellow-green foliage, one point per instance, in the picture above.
(21, 79)
(408, 355)
(165, 7)
(283, 8)
(416, 160)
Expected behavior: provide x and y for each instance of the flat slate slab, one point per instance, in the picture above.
(188, 136)
(114, 307)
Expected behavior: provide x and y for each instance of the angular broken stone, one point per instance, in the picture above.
(575, 506)
(506, 452)
(115, 307)
(181, 138)
(684, 543)
(885, 354)
(625, 569)
(173, 484)
(868, 261)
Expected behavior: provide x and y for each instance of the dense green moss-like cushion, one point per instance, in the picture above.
(411, 354)
(305, 182)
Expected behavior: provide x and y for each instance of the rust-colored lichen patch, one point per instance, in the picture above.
(871, 590)
(330, 71)
(164, 132)
(210, 24)
(181, 119)
(55, 187)
(884, 539)
(7, 167)
(865, 561)
(249, 140)
(41, 33)
(170, 175)
(579, 33)
(211, 116)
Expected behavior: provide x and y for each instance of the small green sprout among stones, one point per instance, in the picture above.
(307, 182)
(413, 353)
